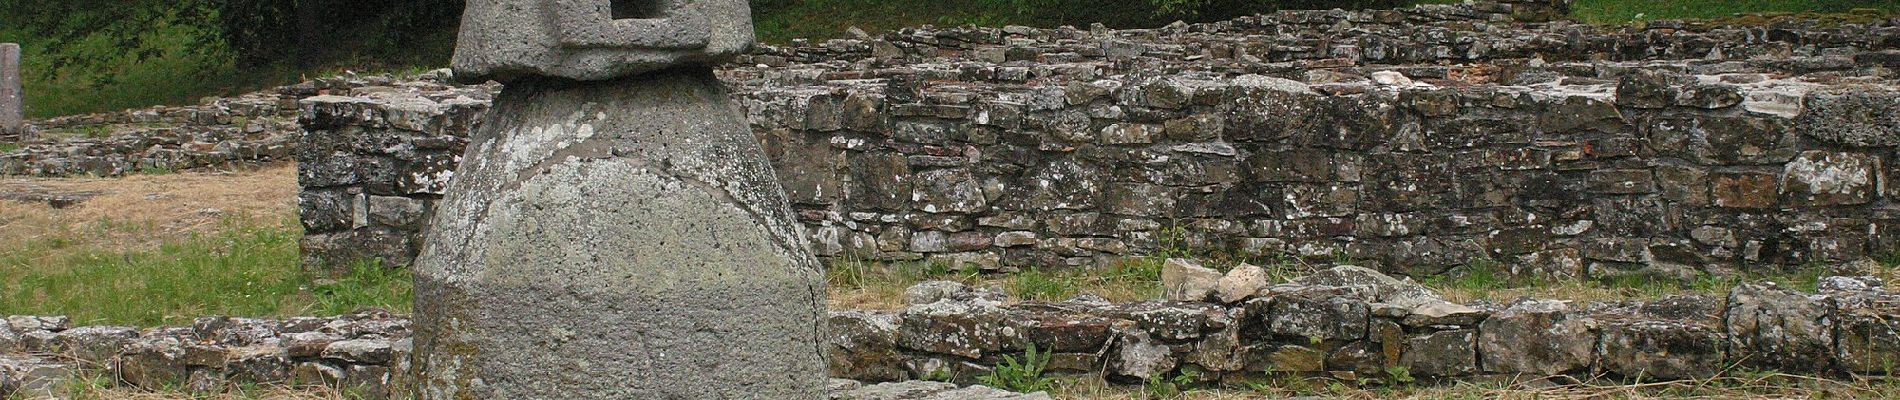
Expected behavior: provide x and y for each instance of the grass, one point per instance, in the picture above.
(98, 384)
(1741, 384)
(869, 285)
(857, 284)
(1487, 280)
(164, 249)
(1620, 11)
(823, 19)
(243, 270)
(101, 131)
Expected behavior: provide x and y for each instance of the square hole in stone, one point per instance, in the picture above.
(636, 9)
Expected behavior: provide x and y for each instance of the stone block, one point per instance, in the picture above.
(1294, 165)
(1661, 350)
(862, 345)
(1622, 181)
(1776, 328)
(879, 182)
(94, 344)
(153, 363)
(360, 351)
(1317, 315)
(1743, 190)
(1171, 321)
(948, 191)
(1538, 338)
(1140, 199)
(1136, 354)
(1822, 179)
(1869, 331)
(963, 328)
(1125, 134)
(1243, 282)
(593, 40)
(1060, 331)
(397, 212)
(1859, 116)
(1442, 353)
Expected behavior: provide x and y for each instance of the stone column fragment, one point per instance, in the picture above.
(12, 106)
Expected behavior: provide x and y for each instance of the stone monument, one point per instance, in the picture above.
(614, 230)
(12, 109)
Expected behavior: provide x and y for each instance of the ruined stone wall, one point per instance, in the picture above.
(1346, 323)
(373, 163)
(1410, 140)
(1650, 172)
(254, 128)
(250, 129)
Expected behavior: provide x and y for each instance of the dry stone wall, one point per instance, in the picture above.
(1411, 140)
(255, 128)
(1346, 323)
(373, 161)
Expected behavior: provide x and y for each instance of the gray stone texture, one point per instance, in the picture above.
(378, 162)
(955, 332)
(505, 40)
(1614, 156)
(1771, 327)
(1536, 338)
(617, 239)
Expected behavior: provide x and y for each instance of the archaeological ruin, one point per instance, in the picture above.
(1400, 144)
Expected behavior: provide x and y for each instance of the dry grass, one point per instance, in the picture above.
(1738, 385)
(96, 384)
(140, 211)
(870, 285)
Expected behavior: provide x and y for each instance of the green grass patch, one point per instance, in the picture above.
(782, 21)
(243, 271)
(1620, 11)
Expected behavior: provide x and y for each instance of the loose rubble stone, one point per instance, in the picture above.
(1243, 282)
(1185, 280)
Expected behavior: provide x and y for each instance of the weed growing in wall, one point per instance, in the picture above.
(1025, 375)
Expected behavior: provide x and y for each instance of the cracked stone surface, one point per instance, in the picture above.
(622, 239)
(590, 40)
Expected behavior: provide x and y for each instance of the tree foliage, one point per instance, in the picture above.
(120, 24)
(263, 32)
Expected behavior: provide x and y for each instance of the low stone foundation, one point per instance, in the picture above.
(1346, 323)
(250, 129)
